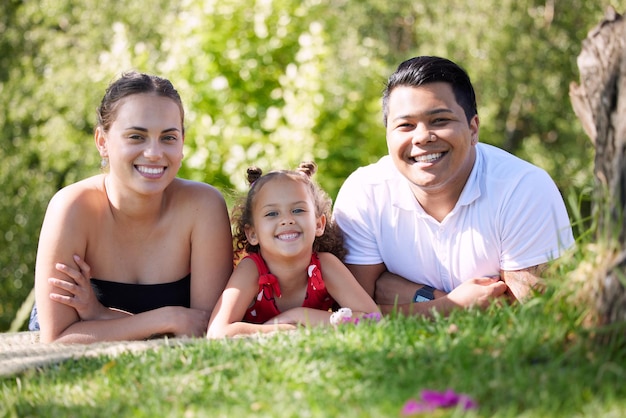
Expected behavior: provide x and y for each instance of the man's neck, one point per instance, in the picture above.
(437, 205)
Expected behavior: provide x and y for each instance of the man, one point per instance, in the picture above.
(443, 221)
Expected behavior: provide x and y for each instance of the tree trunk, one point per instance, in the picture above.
(600, 104)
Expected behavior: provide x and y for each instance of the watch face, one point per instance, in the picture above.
(424, 294)
(420, 298)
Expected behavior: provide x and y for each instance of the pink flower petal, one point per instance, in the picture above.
(467, 403)
(413, 407)
(440, 399)
(430, 400)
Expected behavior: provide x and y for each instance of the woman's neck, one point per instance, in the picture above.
(126, 205)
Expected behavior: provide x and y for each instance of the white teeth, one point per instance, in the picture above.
(150, 170)
(288, 236)
(428, 158)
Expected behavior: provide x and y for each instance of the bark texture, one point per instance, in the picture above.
(599, 101)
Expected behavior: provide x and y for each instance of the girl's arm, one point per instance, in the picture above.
(302, 316)
(343, 287)
(242, 288)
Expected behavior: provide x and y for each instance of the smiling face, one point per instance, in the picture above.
(284, 220)
(429, 138)
(144, 142)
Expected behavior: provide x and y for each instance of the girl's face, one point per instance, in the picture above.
(144, 144)
(284, 219)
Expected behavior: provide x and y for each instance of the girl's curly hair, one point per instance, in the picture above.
(330, 241)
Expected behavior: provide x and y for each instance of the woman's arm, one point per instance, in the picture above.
(172, 320)
(81, 294)
(211, 246)
(64, 233)
(99, 323)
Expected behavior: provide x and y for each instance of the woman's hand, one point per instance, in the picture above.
(82, 296)
(185, 322)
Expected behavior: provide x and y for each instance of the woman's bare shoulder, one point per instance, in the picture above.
(79, 195)
(76, 208)
(190, 191)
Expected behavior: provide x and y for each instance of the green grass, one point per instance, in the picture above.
(534, 360)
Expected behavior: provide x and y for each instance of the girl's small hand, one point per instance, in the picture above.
(302, 316)
(82, 296)
(291, 316)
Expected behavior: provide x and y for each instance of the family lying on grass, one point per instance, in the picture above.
(443, 222)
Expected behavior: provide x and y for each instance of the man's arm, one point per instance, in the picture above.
(389, 290)
(367, 276)
(384, 287)
(392, 289)
(522, 282)
(396, 293)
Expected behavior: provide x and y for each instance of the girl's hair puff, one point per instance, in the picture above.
(330, 241)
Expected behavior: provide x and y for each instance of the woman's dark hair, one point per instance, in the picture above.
(330, 241)
(134, 83)
(422, 70)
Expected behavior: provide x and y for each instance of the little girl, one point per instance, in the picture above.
(284, 232)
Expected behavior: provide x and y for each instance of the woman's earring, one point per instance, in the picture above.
(104, 163)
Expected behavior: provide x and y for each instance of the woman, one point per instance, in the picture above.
(136, 228)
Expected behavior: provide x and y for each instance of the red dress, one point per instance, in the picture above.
(264, 307)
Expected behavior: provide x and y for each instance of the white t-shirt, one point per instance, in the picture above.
(509, 216)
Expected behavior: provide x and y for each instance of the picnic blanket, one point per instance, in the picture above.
(21, 351)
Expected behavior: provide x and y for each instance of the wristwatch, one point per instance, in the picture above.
(424, 294)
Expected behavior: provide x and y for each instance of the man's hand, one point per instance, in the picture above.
(394, 291)
(479, 292)
(521, 282)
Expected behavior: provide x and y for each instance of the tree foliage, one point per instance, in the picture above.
(271, 83)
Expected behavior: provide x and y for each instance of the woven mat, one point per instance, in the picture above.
(22, 351)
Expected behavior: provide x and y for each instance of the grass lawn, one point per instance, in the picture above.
(534, 360)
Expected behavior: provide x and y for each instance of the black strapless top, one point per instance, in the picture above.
(137, 298)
